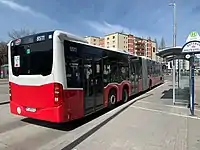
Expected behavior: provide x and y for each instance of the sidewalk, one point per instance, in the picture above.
(152, 123)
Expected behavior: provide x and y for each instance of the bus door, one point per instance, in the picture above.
(134, 76)
(98, 81)
(92, 83)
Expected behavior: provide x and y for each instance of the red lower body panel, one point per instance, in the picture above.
(40, 101)
(52, 114)
(140, 89)
(74, 104)
(72, 107)
(156, 80)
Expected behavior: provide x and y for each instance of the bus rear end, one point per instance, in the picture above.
(33, 92)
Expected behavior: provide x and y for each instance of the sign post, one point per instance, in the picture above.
(192, 47)
(192, 86)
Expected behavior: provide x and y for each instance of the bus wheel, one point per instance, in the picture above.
(125, 95)
(112, 98)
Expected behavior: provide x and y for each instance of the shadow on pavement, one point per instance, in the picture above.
(66, 126)
(79, 122)
(3, 103)
(182, 96)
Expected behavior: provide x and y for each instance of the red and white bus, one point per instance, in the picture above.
(58, 77)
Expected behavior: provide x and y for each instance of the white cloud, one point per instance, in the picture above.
(22, 8)
(106, 28)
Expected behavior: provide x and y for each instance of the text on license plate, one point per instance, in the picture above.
(30, 109)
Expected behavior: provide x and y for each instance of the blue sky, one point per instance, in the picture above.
(152, 18)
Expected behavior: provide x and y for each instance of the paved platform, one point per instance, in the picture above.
(152, 123)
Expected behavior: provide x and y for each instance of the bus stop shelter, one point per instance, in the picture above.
(186, 52)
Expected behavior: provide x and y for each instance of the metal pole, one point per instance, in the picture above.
(174, 44)
(174, 24)
(174, 81)
(192, 86)
(175, 32)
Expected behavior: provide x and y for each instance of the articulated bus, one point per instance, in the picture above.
(59, 77)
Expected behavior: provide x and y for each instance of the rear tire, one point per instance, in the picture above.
(112, 98)
(125, 95)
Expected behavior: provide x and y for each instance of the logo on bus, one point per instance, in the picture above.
(18, 41)
(73, 49)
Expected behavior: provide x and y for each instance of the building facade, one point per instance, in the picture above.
(93, 40)
(153, 51)
(121, 41)
(131, 44)
(140, 46)
(102, 42)
(116, 41)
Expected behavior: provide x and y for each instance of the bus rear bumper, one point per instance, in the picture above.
(52, 114)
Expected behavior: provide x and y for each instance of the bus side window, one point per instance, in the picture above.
(132, 72)
(73, 65)
(138, 70)
(73, 69)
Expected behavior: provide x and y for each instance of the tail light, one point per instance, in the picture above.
(58, 94)
(10, 91)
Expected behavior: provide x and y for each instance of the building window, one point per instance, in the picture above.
(113, 46)
(94, 40)
(113, 37)
(154, 50)
(107, 38)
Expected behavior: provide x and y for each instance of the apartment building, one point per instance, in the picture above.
(121, 41)
(116, 41)
(131, 44)
(102, 42)
(139, 46)
(148, 49)
(93, 40)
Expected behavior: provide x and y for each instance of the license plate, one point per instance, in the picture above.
(30, 109)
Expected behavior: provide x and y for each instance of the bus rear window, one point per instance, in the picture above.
(32, 59)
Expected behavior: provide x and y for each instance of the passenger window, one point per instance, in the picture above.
(73, 69)
(73, 64)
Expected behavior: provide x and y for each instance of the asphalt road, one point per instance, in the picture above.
(4, 96)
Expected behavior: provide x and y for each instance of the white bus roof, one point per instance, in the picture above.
(77, 39)
(70, 36)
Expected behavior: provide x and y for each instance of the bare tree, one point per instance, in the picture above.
(162, 43)
(155, 40)
(3, 53)
(15, 34)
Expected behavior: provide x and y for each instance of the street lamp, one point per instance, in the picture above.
(174, 45)
(174, 22)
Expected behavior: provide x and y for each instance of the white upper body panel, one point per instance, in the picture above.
(58, 67)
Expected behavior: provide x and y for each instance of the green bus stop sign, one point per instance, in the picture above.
(193, 34)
